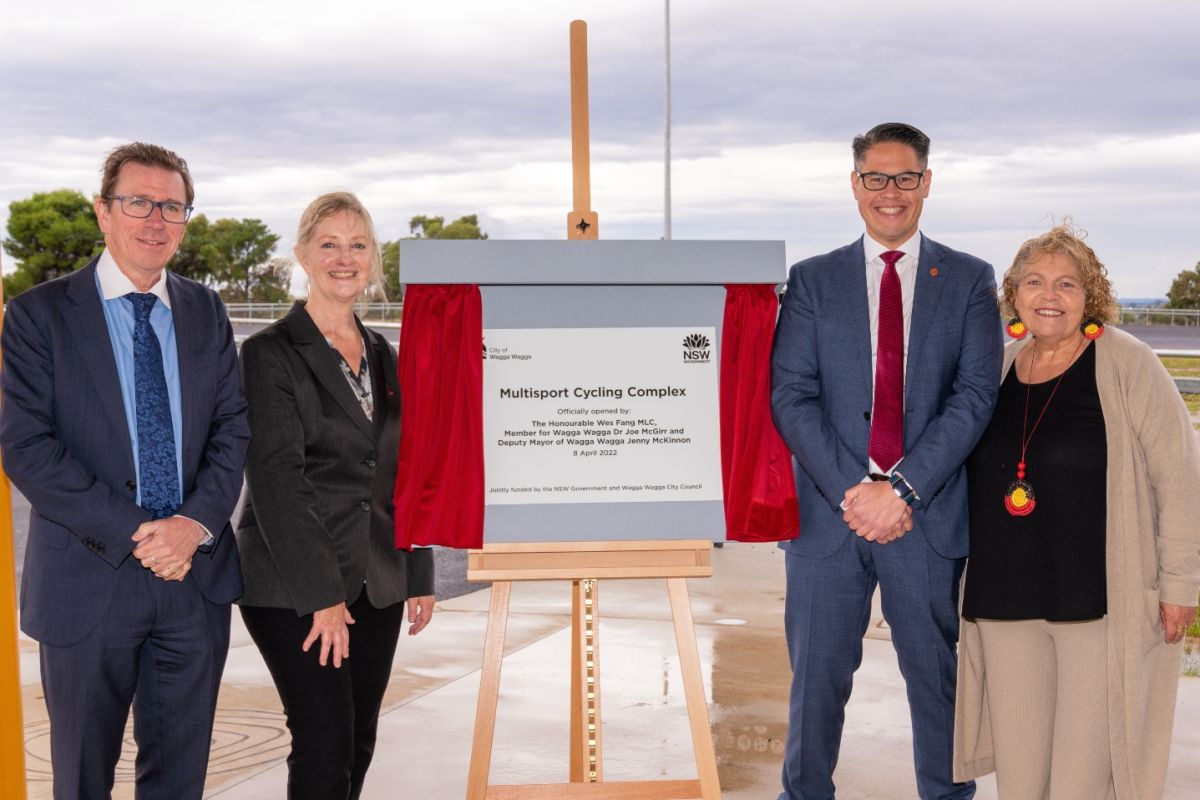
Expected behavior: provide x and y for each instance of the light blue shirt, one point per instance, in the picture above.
(113, 285)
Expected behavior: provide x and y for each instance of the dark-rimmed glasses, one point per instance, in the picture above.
(878, 181)
(142, 207)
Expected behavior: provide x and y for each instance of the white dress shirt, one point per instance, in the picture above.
(113, 285)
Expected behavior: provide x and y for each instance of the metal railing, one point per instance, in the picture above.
(390, 312)
(368, 312)
(1160, 316)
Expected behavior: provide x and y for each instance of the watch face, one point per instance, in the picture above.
(902, 488)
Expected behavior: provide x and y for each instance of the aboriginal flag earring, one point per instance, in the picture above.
(1092, 329)
(1016, 329)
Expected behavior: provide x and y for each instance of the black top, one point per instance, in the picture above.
(1049, 564)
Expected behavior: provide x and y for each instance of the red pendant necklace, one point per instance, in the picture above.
(1019, 500)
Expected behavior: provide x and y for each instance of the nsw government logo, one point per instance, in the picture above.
(696, 349)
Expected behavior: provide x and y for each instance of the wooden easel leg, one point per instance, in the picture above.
(693, 689)
(586, 759)
(578, 765)
(489, 691)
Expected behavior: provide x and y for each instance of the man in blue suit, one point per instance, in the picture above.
(883, 376)
(124, 424)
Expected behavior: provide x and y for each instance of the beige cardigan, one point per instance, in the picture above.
(1152, 554)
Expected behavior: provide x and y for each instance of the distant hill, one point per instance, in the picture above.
(1142, 302)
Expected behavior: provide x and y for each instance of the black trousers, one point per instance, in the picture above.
(332, 713)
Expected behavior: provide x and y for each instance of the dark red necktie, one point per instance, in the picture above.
(887, 420)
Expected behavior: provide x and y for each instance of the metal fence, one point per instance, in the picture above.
(390, 312)
(368, 312)
(1160, 316)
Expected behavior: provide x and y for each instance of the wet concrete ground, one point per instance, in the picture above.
(426, 726)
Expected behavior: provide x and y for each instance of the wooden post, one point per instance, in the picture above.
(12, 726)
(693, 688)
(587, 763)
(582, 222)
(489, 692)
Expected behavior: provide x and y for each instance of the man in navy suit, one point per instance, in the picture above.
(883, 376)
(124, 424)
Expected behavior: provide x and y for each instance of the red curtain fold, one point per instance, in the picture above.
(439, 477)
(756, 466)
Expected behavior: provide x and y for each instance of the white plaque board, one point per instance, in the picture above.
(601, 415)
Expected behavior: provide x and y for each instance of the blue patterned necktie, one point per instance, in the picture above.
(158, 473)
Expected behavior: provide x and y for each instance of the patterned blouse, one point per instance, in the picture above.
(360, 382)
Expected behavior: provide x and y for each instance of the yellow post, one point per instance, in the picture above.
(12, 727)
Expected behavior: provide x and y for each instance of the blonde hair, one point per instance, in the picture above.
(1100, 302)
(332, 203)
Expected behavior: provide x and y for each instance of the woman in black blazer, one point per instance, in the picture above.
(316, 537)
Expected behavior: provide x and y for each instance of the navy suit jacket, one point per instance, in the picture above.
(66, 446)
(822, 386)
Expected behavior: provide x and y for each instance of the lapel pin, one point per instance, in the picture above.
(933, 272)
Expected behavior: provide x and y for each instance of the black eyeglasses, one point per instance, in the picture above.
(878, 181)
(142, 207)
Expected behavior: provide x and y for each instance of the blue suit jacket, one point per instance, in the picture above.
(821, 388)
(66, 446)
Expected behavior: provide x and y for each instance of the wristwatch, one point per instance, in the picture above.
(903, 488)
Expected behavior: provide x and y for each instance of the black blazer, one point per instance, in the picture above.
(319, 519)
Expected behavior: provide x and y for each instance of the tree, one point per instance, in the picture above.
(197, 253)
(391, 271)
(50, 234)
(467, 227)
(241, 251)
(235, 257)
(423, 227)
(1185, 289)
(270, 281)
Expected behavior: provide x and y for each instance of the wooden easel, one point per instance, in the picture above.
(584, 563)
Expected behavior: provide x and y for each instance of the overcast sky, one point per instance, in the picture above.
(1037, 110)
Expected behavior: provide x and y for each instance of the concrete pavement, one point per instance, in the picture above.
(426, 726)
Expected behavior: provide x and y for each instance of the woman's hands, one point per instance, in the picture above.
(1175, 620)
(420, 610)
(329, 625)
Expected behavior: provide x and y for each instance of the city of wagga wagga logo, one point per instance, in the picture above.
(696, 349)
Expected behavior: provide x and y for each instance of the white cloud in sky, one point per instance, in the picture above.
(1035, 109)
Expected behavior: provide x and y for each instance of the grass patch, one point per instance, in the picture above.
(1192, 401)
(1191, 650)
(1181, 366)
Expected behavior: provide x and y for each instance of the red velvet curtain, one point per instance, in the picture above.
(760, 490)
(439, 478)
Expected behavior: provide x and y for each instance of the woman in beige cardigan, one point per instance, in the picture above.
(1085, 547)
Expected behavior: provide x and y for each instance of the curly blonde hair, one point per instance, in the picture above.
(1064, 239)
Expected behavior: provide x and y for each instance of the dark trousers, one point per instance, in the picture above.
(827, 611)
(161, 647)
(332, 713)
